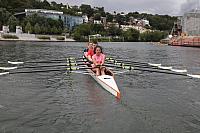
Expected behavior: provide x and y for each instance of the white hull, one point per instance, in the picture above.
(107, 82)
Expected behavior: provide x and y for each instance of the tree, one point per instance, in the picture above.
(82, 31)
(46, 4)
(131, 35)
(54, 30)
(12, 22)
(37, 29)
(4, 16)
(109, 17)
(97, 16)
(86, 9)
(28, 28)
(153, 36)
(97, 28)
(114, 31)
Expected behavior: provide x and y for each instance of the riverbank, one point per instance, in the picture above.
(36, 38)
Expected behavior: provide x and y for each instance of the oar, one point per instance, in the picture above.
(49, 70)
(7, 68)
(145, 65)
(135, 65)
(40, 66)
(70, 59)
(152, 67)
(157, 71)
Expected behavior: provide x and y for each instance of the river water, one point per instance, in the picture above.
(59, 102)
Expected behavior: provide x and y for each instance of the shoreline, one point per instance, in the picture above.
(34, 38)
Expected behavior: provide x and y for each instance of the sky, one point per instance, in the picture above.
(163, 7)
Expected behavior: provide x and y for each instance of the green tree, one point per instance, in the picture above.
(60, 30)
(97, 16)
(100, 10)
(45, 4)
(152, 36)
(54, 30)
(97, 28)
(45, 30)
(114, 31)
(28, 28)
(12, 22)
(86, 9)
(4, 16)
(82, 32)
(37, 29)
(109, 17)
(131, 35)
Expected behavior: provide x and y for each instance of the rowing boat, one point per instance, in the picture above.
(107, 82)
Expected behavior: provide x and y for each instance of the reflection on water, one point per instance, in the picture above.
(56, 102)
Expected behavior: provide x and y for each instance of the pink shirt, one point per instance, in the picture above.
(99, 59)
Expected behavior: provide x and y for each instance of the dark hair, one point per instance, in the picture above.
(95, 41)
(98, 47)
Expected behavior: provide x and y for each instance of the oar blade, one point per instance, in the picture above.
(15, 63)
(152, 64)
(194, 76)
(4, 73)
(165, 67)
(179, 70)
(7, 68)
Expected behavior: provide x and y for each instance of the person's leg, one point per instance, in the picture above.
(97, 71)
(94, 70)
(102, 70)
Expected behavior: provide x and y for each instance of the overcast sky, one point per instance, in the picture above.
(170, 7)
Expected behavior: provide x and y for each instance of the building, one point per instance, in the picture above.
(190, 22)
(68, 20)
(97, 22)
(145, 22)
(19, 30)
(72, 21)
(5, 29)
(85, 19)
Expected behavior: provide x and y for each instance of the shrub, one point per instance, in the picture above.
(6, 36)
(60, 38)
(44, 37)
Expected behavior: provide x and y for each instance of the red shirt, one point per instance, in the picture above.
(90, 52)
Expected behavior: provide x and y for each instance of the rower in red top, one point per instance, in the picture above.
(98, 60)
(90, 52)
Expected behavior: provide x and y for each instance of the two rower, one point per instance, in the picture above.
(96, 56)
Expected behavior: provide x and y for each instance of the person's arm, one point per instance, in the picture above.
(103, 60)
(94, 60)
(90, 58)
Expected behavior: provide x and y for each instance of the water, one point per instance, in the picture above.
(56, 102)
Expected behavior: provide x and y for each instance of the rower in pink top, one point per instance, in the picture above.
(98, 60)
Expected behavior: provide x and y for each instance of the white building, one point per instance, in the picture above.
(145, 22)
(42, 11)
(19, 30)
(97, 22)
(85, 19)
(5, 29)
(68, 20)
